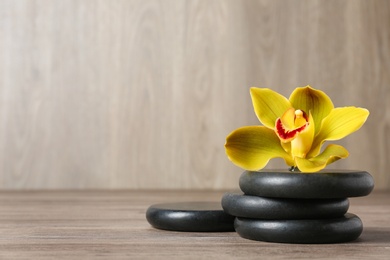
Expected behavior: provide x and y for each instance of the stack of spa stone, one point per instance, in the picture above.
(294, 207)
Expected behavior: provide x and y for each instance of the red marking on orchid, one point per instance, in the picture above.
(287, 135)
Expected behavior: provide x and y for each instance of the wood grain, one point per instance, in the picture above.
(112, 225)
(141, 94)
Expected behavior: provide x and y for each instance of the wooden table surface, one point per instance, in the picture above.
(112, 225)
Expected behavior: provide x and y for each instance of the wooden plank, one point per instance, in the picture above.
(141, 94)
(112, 225)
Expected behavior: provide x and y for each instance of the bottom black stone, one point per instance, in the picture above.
(308, 231)
(190, 217)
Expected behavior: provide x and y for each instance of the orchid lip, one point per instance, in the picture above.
(287, 135)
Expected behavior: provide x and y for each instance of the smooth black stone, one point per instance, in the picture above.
(190, 217)
(272, 208)
(308, 231)
(320, 185)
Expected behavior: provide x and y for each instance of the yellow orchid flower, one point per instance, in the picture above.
(294, 129)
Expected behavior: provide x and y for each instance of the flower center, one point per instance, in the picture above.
(291, 123)
(298, 113)
(301, 118)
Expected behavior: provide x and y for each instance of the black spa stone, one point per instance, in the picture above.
(320, 185)
(320, 231)
(272, 208)
(190, 217)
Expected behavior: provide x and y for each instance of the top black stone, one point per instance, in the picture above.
(320, 185)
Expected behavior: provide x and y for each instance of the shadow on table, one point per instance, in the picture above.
(375, 235)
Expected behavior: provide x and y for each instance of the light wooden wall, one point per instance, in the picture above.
(141, 94)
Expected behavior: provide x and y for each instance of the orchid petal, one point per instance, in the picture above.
(268, 105)
(251, 147)
(338, 124)
(314, 101)
(331, 154)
